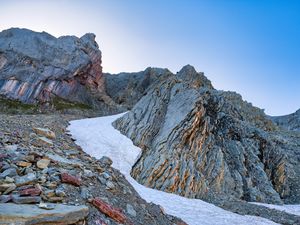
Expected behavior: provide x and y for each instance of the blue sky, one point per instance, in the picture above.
(251, 47)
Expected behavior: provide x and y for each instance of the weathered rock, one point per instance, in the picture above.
(25, 200)
(44, 132)
(42, 141)
(7, 186)
(11, 172)
(23, 164)
(32, 214)
(43, 163)
(26, 179)
(202, 143)
(5, 198)
(105, 161)
(114, 213)
(41, 68)
(70, 179)
(30, 191)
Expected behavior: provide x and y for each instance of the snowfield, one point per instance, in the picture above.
(98, 138)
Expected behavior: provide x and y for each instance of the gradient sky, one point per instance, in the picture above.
(251, 47)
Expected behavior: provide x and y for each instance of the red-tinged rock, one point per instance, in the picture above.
(67, 178)
(114, 213)
(30, 191)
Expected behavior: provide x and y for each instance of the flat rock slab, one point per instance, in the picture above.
(32, 214)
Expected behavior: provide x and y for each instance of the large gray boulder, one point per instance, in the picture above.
(203, 143)
(33, 215)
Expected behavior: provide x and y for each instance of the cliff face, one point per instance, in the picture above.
(202, 143)
(37, 67)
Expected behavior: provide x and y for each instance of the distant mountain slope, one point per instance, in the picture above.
(290, 122)
(203, 143)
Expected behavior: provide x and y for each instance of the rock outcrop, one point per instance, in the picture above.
(290, 122)
(39, 68)
(203, 143)
(63, 73)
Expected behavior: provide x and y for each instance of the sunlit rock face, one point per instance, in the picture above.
(37, 67)
(203, 143)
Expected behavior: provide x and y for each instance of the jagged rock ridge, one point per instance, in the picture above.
(37, 68)
(203, 143)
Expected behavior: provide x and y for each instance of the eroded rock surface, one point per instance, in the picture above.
(39, 68)
(203, 143)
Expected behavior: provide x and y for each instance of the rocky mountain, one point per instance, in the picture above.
(39, 69)
(290, 122)
(203, 143)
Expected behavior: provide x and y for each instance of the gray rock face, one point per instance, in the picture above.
(32, 214)
(290, 122)
(39, 68)
(202, 143)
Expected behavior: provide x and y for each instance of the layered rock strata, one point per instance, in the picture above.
(203, 143)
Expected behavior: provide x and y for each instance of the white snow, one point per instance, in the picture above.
(292, 209)
(98, 138)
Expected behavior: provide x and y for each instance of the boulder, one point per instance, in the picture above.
(32, 214)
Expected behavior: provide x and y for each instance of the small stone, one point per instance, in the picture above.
(60, 191)
(27, 179)
(110, 185)
(88, 173)
(11, 148)
(130, 210)
(49, 193)
(25, 200)
(9, 180)
(30, 191)
(67, 178)
(5, 186)
(114, 213)
(10, 189)
(43, 163)
(5, 198)
(11, 172)
(23, 164)
(42, 141)
(106, 175)
(105, 161)
(47, 206)
(102, 180)
(44, 132)
(51, 185)
(55, 199)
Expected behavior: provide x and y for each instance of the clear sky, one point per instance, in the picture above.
(251, 47)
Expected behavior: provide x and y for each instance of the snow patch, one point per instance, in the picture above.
(98, 138)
